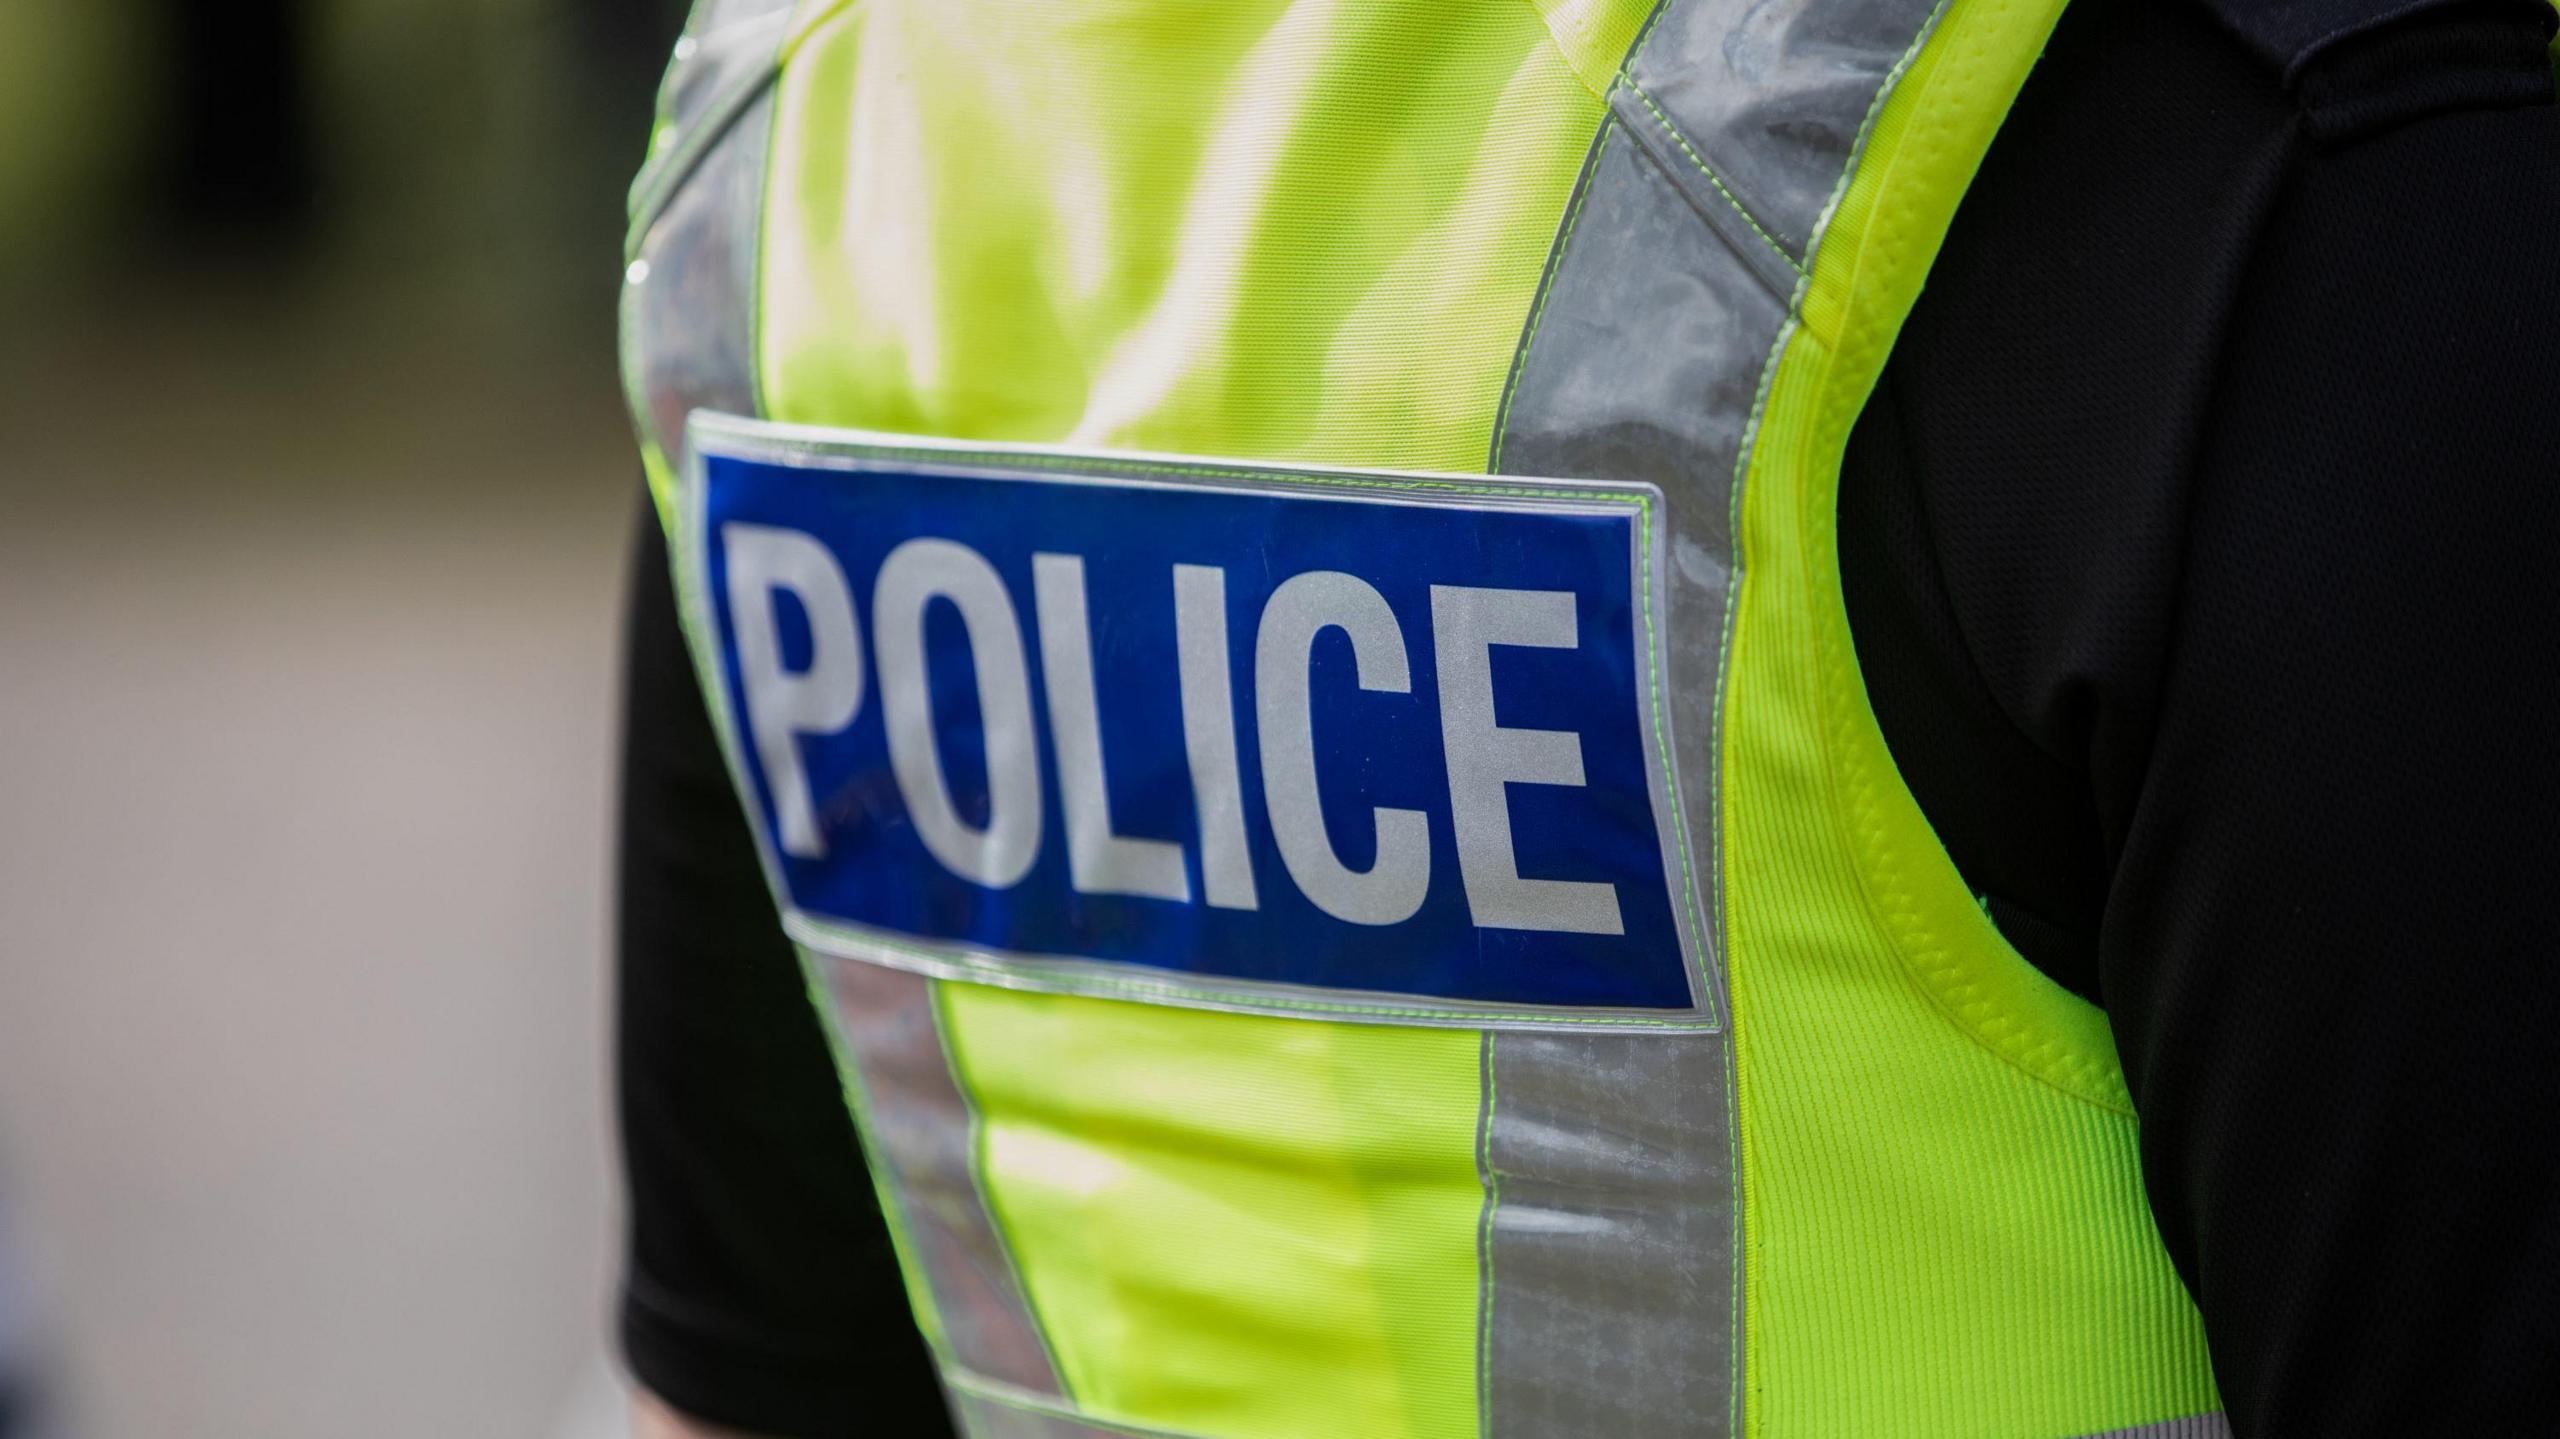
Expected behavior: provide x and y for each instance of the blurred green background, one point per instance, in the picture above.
(316, 491)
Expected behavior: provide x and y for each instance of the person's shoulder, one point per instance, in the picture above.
(2356, 67)
(2288, 36)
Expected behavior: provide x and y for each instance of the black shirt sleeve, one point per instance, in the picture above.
(2200, 543)
(760, 1289)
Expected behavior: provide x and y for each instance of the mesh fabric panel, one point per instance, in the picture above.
(1944, 1209)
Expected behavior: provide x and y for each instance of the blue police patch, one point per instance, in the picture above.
(1327, 742)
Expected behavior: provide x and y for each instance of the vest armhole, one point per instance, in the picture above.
(1885, 230)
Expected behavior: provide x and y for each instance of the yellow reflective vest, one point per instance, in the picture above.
(1267, 574)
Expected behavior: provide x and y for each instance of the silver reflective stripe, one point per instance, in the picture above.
(1773, 99)
(688, 300)
(922, 1134)
(1610, 1296)
(727, 46)
(724, 61)
(985, 1419)
(689, 292)
(1611, 1234)
(2196, 1426)
(1643, 364)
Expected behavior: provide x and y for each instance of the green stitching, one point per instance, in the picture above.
(1733, 611)
(1737, 1326)
(1484, 1238)
(1501, 436)
(1074, 465)
(1682, 141)
(1546, 288)
(1866, 130)
(1743, 453)
(1724, 667)
(654, 188)
(996, 972)
(1662, 748)
(1670, 769)
(1627, 63)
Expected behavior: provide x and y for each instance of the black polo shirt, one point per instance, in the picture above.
(2202, 550)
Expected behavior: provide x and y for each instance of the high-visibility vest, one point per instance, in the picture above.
(1267, 571)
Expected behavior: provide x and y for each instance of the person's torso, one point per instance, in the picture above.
(1266, 571)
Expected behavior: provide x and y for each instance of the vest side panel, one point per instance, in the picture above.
(1947, 1229)
(1646, 359)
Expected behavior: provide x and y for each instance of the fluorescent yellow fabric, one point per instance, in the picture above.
(1307, 231)
(1266, 230)
(1943, 1211)
(1235, 1225)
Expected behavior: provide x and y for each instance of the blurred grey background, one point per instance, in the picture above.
(314, 488)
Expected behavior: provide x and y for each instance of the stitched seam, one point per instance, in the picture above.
(692, 148)
(1635, 47)
(1627, 65)
(1738, 1332)
(938, 1010)
(664, 178)
(1926, 958)
(1583, 184)
(1929, 956)
(1867, 126)
(1546, 289)
(1744, 454)
(1681, 140)
(1074, 465)
(1484, 1238)
(1999, 1034)
(1653, 649)
(1947, 989)
(1942, 978)
(974, 970)
(1724, 668)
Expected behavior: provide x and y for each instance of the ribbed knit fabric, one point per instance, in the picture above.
(1945, 1223)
